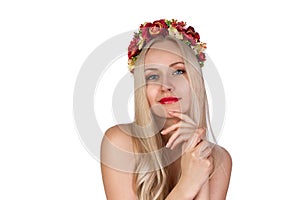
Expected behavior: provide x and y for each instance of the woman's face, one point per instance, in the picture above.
(168, 88)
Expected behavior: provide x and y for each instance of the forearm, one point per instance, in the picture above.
(204, 192)
(181, 191)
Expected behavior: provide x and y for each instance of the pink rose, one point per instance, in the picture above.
(201, 57)
(152, 30)
(191, 35)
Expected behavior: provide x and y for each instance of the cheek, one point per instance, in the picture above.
(183, 86)
(151, 91)
(184, 90)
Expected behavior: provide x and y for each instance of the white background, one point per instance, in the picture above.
(254, 44)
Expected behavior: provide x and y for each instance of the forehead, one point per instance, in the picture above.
(163, 52)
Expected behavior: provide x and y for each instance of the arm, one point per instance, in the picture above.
(217, 186)
(196, 166)
(204, 192)
(219, 181)
(179, 192)
(117, 179)
(117, 184)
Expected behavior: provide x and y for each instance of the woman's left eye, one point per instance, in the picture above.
(178, 72)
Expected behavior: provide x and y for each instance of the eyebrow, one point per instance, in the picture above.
(171, 65)
(175, 63)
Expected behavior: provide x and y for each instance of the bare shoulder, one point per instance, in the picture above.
(119, 136)
(220, 178)
(117, 149)
(117, 163)
(222, 156)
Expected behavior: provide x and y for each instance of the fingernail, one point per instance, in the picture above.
(162, 132)
(167, 145)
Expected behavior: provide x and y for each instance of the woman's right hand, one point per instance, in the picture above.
(196, 164)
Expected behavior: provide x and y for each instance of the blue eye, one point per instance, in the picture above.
(152, 77)
(179, 71)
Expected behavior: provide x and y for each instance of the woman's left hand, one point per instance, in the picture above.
(183, 130)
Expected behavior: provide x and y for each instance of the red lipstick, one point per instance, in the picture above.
(168, 100)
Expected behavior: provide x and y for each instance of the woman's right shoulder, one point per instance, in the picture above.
(118, 163)
(120, 136)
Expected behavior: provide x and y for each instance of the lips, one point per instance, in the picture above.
(168, 100)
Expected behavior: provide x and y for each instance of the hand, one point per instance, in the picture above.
(183, 130)
(197, 164)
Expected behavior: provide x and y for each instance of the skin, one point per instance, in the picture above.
(205, 168)
(166, 78)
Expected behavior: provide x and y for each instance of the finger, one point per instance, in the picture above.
(202, 145)
(183, 117)
(192, 143)
(181, 139)
(174, 127)
(201, 132)
(205, 153)
(172, 138)
(205, 149)
(187, 132)
(212, 161)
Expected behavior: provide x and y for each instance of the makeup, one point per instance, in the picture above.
(169, 100)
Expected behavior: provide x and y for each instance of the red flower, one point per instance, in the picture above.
(178, 25)
(145, 30)
(133, 49)
(191, 35)
(174, 23)
(149, 30)
(152, 30)
(201, 57)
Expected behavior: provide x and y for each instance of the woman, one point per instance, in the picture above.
(165, 152)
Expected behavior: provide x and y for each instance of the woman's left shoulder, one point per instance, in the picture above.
(222, 161)
(220, 177)
(221, 154)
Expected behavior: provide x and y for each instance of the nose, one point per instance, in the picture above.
(167, 85)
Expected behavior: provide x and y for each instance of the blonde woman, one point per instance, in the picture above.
(166, 153)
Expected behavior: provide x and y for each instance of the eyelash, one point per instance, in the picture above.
(150, 77)
(181, 70)
(153, 77)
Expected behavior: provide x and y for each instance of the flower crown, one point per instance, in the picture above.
(163, 27)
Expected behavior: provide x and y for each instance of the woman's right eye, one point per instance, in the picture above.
(152, 77)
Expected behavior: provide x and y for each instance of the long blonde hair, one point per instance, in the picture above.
(151, 178)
